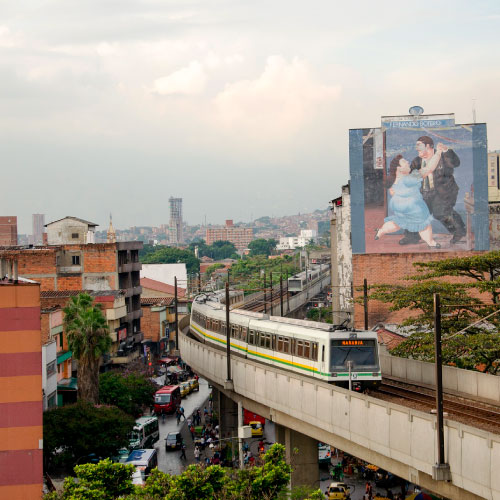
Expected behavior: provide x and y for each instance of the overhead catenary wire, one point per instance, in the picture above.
(463, 330)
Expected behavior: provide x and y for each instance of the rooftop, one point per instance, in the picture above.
(49, 294)
(157, 301)
(93, 224)
(159, 286)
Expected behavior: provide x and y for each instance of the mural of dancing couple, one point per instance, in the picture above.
(419, 185)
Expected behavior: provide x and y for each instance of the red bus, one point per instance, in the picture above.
(249, 416)
(167, 399)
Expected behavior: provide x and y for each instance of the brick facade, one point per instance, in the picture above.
(389, 268)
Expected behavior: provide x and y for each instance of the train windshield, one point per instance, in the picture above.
(361, 352)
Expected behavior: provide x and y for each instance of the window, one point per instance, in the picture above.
(300, 348)
(51, 400)
(251, 337)
(307, 349)
(75, 260)
(74, 235)
(286, 344)
(51, 368)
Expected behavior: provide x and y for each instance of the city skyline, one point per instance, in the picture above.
(238, 114)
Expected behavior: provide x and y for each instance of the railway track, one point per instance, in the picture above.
(257, 303)
(455, 406)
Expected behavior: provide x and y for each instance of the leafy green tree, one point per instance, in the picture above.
(106, 481)
(463, 308)
(171, 255)
(212, 268)
(323, 314)
(262, 246)
(88, 338)
(129, 391)
(103, 481)
(72, 432)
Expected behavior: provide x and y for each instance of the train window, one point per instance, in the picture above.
(286, 344)
(273, 345)
(314, 355)
(251, 337)
(307, 349)
(243, 333)
(280, 344)
(267, 344)
(300, 348)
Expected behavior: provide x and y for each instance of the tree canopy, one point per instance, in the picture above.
(468, 289)
(129, 391)
(72, 432)
(262, 246)
(218, 250)
(172, 255)
(107, 481)
(87, 332)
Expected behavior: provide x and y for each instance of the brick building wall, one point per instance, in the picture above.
(389, 268)
(8, 230)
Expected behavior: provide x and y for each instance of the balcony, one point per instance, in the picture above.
(135, 290)
(116, 313)
(134, 315)
(121, 360)
(129, 267)
(69, 269)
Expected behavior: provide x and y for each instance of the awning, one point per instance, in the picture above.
(67, 384)
(64, 356)
(166, 361)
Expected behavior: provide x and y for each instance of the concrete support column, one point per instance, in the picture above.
(228, 417)
(305, 461)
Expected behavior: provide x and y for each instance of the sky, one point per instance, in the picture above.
(241, 108)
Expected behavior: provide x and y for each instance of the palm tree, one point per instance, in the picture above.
(88, 338)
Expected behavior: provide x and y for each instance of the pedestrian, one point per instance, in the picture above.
(197, 453)
(189, 421)
(183, 451)
(191, 430)
(182, 413)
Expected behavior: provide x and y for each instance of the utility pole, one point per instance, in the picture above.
(228, 335)
(271, 294)
(441, 470)
(281, 295)
(365, 302)
(265, 297)
(176, 317)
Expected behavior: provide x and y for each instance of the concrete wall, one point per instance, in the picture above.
(394, 437)
(476, 384)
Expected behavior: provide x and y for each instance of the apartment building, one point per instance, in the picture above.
(239, 236)
(21, 406)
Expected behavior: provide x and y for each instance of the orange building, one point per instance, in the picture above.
(21, 406)
(239, 236)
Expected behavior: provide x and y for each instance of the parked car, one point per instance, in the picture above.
(257, 429)
(195, 386)
(335, 492)
(173, 441)
(185, 389)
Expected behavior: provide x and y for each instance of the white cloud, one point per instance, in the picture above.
(278, 102)
(189, 80)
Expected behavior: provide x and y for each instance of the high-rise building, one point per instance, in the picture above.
(175, 226)
(8, 230)
(494, 176)
(38, 228)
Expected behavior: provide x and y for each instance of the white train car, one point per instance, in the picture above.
(305, 347)
(298, 282)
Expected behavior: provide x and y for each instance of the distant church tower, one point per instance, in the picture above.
(111, 236)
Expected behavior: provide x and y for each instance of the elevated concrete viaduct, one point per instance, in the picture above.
(393, 437)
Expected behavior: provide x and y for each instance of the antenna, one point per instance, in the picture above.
(474, 110)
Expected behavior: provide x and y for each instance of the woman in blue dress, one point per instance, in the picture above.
(409, 210)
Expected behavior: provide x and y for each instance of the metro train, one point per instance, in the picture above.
(310, 348)
(298, 282)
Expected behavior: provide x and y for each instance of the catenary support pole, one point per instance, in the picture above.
(439, 377)
(365, 302)
(240, 441)
(176, 317)
(228, 335)
(281, 295)
(265, 296)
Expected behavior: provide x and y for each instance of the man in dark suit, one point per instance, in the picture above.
(439, 190)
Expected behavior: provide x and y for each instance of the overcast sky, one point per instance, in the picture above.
(242, 108)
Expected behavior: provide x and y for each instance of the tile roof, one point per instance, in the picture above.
(388, 338)
(49, 294)
(157, 301)
(159, 286)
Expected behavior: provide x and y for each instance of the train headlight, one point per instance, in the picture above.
(375, 374)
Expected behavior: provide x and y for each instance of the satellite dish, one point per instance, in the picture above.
(416, 110)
